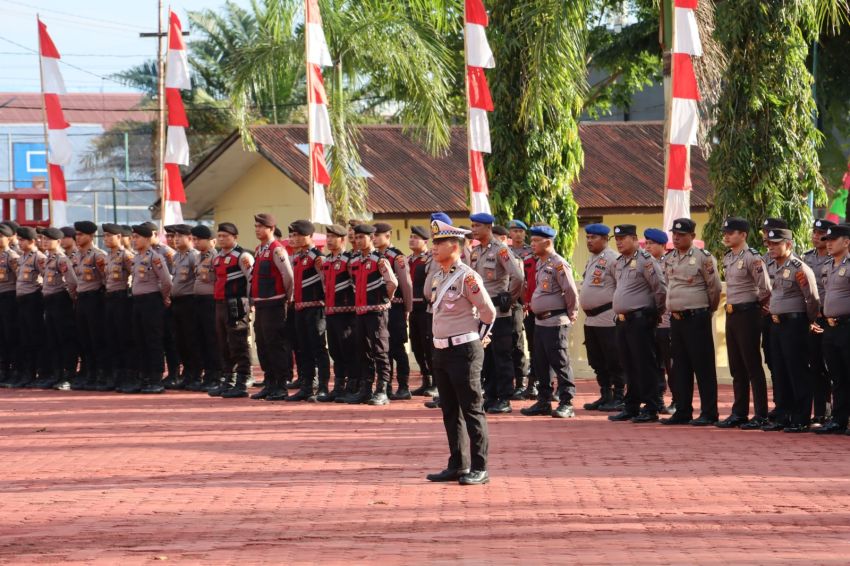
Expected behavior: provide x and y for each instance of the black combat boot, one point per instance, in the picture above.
(227, 381)
(152, 383)
(616, 402)
(403, 391)
(239, 389)
(605, 397)
(422, 390)
(362, 395)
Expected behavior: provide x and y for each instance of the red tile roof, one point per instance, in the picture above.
(105, 109)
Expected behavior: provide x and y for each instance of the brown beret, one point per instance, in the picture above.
(337, 230)
(420, 231)
(500, 230)
(266, 220)
(228, 227)
(381, 227)
(302, 227)
(364, 229)
(353, 223)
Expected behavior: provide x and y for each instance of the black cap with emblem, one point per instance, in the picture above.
(735, 224)
(837, 231)
(774, 223)
(779, 235)
(822, 225)
(684, 226)
(625, 230)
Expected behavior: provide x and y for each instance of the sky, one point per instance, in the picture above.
(95, 38)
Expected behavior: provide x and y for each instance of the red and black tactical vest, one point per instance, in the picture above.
(529, 264)
(308, 282)
(369, 287)
(339, 287)
(266, 279)
(230, 282)
(418, 273)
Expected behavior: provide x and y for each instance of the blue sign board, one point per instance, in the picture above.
(30, 160)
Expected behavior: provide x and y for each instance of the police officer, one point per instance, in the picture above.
(747, 290)
(118, 347)
(596, 296)
(13, 239)
(463, 316)
(184, 324)
(271, 290)
(339, 314)
(232, 268)
(374, 285)
(521, 250)
(69, 242)
(30, 302)
(172, 358)
(89, 265)
(503, 280)
(310, 324)
(555, 306)
(8, 308)
(693, 294)
(59, 290)
(399, 312)
(656, 245)
(767, 323)
(836, 330)
(818, 259)
(203, 292)
(639, 301)
(421, 341)
(151, 296)
(794, 305)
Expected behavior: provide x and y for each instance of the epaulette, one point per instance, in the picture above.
(619, 257)
(809, 252)
(646, 254)
(727, 253)
(754, 251)
(796, 262)
(706, 253)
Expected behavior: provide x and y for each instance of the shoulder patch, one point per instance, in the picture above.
(706, 252)
(504, 253)
(157, 261)
(560, 266)
(471, 283)
(801, 279)
(400, 261)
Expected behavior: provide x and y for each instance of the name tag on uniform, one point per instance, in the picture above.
(842, 271)
(227, 260)
(633, 263)
(740, 264)
(692, 261)
(786, 274)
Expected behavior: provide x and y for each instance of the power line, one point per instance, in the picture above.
(110, 55)
(75, 16)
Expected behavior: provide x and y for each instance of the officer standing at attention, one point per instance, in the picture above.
(271, 290)
(30, 310)
(8, 308)
(202, 240)
(184, 324)
(693, 294)
(521, 250)
(59, 290)
(555, 307)
(399, 312)
(172, 358)
(463, 316)
(766, 322)
(90, 265)
(639, 302)
(374, 285)
(818, 259)
(503, 280)
(118, 347)
(421, 341)
(69, 242)
(232, 268)
(794, 305)
(596, 296)
(656, 245)
(836, 331)
(151, 296)
(747, 292)
(339, 315)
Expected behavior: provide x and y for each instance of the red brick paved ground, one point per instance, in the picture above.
(185, 478)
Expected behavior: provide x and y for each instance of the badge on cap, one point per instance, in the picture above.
(726, 224)
(617, 230)
(678, 224)
(828, 231)
(818, 224)
(770, 234)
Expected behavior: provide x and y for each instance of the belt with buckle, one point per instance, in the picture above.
(598, 310)
(308, 304)
(549, 314)
(640, 313)
(742, 307)
(372, 308)
(837, 320)
(778, 318)
(443, 343)
(681, 315)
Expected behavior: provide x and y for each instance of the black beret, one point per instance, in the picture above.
(420, 231)
(337, 230)
(822, 225)
(26, 233)
(153, 227)
(12, 224)
(6, 230)
(735, 224)
(774, 223)
(170, 229)
(266, 220)
(113, 229)
(143, 230)
(202, 232)
(500, 230)
(182, 229)
(353, 223)
(53, 233)
(68, 231)
(126, 230)
(364, 229)
(683, 226)
(302, 227)
(625, 230)
(86, 227)
(381, 227)
(277, 233)
(228, 227)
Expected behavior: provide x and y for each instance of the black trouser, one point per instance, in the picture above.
(342, 348)
(636, 346)
(8, 331)
(397, 324)
(232, 339)
(61, 351)
(836, 348)
(530, 323)
(311, 328)
(768, 357)
(90, 330)
(274, 348)
(457, 371)
(743, 334)
(147, 320)
(205, 328)
(664, 362)
(169, 344)
(821, 384)
(421, 340)
(693, 353)
(118, 350)
(30, 330)
(498, 365)
(551, 355)
(791, 376)
(518, 345)
(372, 341)
(602, 355)
(185, 327)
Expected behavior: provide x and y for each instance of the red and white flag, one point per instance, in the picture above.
(479, 56)
(58, 145)
(319, 122)
(176, 145)
(684, 114)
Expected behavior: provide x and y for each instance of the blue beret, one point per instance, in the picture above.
(442, 217)
(597, 229)
(483, 218)
(656, 235)
(518, 224)
(543, 231)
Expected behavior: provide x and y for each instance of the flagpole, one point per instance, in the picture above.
(309, 125)
(466, 91)
(44, 120)
(161, 127)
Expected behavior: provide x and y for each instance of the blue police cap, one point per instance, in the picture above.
(483, 218)
(597, 229)
(442, 217)
(518, 224)
(655, 235)
(543, 231)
